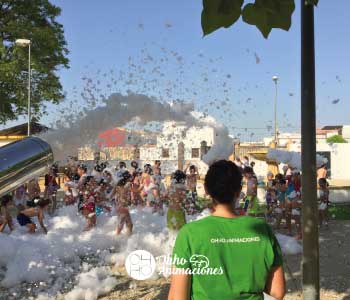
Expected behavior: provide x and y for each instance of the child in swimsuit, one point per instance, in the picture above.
(123, 197)
(176, 217)
(20, 198)
(87, 207)
(33, 189)
(5, 217)
(279, 210)
(136, 189)
(146, 182)
(71, 190)
(191, 185)
(51, 188)
(251, 200)
(323, 197)
(156, 183)
(270, 194)
(24, 217)
(101, 199)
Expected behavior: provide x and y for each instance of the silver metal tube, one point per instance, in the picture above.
(22, 161)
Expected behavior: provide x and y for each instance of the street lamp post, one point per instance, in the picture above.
(275, 79)
(24, 43)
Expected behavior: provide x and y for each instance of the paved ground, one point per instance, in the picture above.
(335, 272)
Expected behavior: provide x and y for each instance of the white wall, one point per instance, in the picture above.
(340, 160)
(174, 133)
(346, 132)
(150, 153)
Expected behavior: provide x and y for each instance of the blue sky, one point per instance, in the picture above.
(104, 35)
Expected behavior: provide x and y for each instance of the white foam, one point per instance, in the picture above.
(91, 284)
(54, 261)
(292, 158)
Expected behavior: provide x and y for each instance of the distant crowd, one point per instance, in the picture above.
(103, 189)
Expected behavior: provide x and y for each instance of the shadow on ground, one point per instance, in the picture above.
(334, 264)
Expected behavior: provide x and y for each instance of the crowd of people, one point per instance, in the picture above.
(104, 189)
(283, 196)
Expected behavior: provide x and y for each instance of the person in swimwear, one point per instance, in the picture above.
(24, 217)
(191, 185)
(5, 216)
(123, 198)
(146, 182)
(176, 217)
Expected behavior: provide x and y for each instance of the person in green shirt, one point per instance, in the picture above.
(225, 256)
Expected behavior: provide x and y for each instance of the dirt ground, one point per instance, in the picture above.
(334, 267)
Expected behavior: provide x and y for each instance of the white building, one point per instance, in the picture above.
(285, 139)
(346, 133)
(194, 140)
(178, 142)
(338, 158)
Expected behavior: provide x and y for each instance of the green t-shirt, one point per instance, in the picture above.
(234, 254)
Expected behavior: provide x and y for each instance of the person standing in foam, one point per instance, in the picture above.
(251, 200)
(323, 198)
(82, 172)
(176, 216)
(146, 182)
(123, 199)
(225, 256)
(5, 216)
(191, 185)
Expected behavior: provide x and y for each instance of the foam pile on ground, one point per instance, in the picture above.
(52, 261)
(91, 284)
(67, 260)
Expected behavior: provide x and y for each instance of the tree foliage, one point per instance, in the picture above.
(264, 14)
(36, 21)
(336, 139)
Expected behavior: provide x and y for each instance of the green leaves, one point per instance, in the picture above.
(264, 14)
(220, 13)
(336, 139)
(268, 14)
(36, 22)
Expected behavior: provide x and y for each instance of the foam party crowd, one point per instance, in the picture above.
(67, 236)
